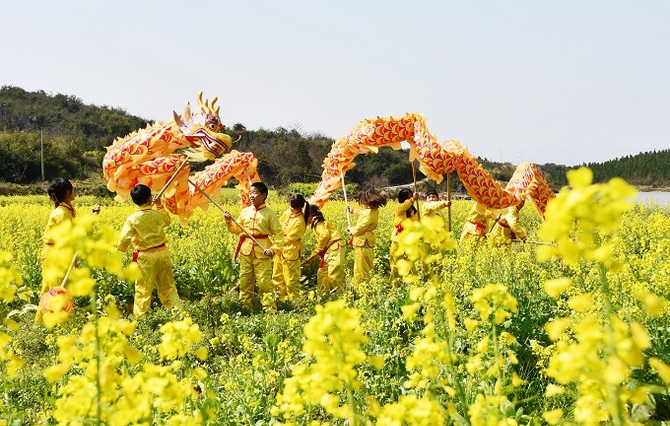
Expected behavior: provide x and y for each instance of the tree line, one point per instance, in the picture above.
(650, 169)
(75, 136)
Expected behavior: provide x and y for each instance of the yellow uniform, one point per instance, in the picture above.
(475, 224)
(330, 246)
(364, 242)
(433, 208)
(286, 269)
(400, 215)
(507, 227)
(63, 213)
(145, 229)
(255, 266)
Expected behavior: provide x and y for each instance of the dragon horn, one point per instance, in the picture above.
(177, 119)
(204, 106)
(187, 113)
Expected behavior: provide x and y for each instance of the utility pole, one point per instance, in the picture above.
(42, 152)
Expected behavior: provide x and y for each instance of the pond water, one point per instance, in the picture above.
(660, 197)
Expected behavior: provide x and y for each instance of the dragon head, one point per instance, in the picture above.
(204, 130)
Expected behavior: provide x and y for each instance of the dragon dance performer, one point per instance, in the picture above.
(61, 193)
(146, 230)
(363, 234)
(331, 248)
(433, 206)
(506, 228)
(404, 210)
(476, 224)
(286, 268)
(262, 224)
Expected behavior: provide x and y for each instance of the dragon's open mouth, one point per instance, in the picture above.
(211, 144)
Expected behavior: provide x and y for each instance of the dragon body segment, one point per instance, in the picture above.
(435, 159)
(149, 156)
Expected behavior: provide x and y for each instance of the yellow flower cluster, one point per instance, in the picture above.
(412, 410)
(100, 376)
(438, 351)
(580, 217)
(333, 339)
(431, 352)
(600, 361)
(178, 339)
(494, 300)
(9, 278)
(422, 241)
(108, 382)
(595, 353)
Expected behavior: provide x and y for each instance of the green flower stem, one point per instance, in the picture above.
(98, 357)
(612, 390)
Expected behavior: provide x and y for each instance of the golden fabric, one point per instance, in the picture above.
(258, 222)
(145, 229)
(363, 231)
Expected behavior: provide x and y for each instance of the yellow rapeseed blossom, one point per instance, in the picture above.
(9, 278)
(412, 410)
(653, 304)
(581, 303)
(553, 390)
(333, 339)
(178, 338)
(553, 417)
(494, 299)
(103, 389)
(558, 286)
(577, 217)
(661, 368)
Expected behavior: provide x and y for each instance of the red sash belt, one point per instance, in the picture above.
(323, 253)
(506, 225)
(244, 237)
(478, 226)
(398, 228)
(137, 252)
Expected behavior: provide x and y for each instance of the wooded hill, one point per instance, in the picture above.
(75, 136)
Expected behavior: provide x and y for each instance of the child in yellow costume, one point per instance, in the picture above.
(433, 205)
(363, 235)
(256, 260)
(145, 229)
(331, 248)
(476, 224)
(404, 210)
(61, 192)
(506, 228)
(286, 269)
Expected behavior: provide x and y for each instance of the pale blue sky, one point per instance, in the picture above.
(565, 82)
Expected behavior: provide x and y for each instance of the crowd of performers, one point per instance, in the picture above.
(270, 249)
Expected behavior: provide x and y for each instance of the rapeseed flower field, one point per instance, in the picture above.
(570, 328)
